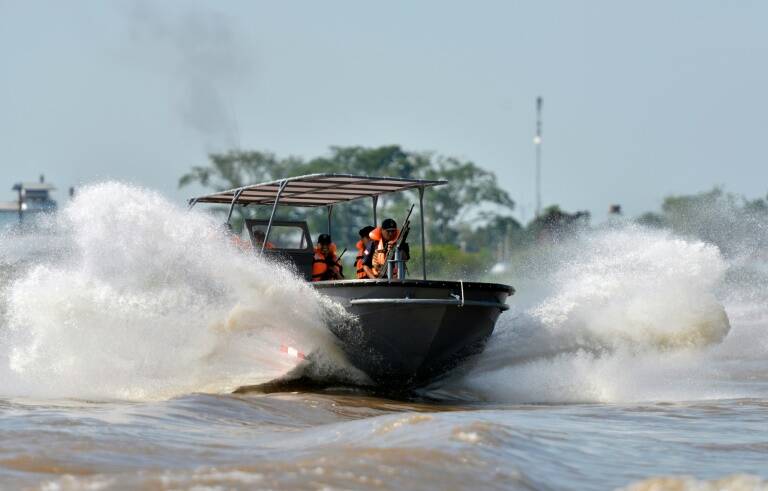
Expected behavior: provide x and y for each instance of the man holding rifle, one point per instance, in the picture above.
(384, 240)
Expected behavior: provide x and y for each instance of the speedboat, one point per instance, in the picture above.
(405, 332)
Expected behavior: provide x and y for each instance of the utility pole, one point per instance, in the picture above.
(20, 188)
(21, 207)
(537, 142)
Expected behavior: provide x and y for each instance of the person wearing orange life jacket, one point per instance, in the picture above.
(362, 251)
(235, 239)
(258, 240)
(326, 265)
(382, 240)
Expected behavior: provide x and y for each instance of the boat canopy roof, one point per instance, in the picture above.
(314, 190)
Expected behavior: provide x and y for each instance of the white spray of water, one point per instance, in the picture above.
(148, 300)
(622, 315)
(637, 288)
(141, 299)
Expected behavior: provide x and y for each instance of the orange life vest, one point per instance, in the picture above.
(320, 269)
(241, 244)
(360, 273)
(380, 252)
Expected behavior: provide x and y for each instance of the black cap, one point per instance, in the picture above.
(388, 224)
(324, 239)
(365, 231)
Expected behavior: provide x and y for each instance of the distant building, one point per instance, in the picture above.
(32, 197)
(616, 216)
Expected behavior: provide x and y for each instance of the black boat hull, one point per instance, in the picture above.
(408, 333)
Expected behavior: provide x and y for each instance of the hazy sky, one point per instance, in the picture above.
(641, 99)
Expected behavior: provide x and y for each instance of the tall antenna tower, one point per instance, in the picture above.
(537, 142)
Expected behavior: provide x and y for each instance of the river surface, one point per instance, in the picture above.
(631, 359)
(319, 441)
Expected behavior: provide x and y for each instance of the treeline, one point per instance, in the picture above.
(735, 224)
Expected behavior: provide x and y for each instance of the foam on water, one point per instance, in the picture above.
(142, 299)
(624, 315)
(738, 482)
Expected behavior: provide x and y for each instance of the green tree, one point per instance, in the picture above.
(449, 261)
(554, 223)
(500, 235)
(651, 219)
(470, 190)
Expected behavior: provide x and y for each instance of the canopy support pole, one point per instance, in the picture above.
(375, 205)
(330, 213)
(423, 239)
(272, 215)
(234, 201)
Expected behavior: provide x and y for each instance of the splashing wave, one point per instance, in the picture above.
(620, 315)
(147, 300)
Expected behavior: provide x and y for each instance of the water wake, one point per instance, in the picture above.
(624, 315)
(142, 299)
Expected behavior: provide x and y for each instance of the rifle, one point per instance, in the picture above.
(341, 255)
(331, 263)
(398, 242)
(338, 262)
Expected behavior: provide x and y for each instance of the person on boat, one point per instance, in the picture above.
(382, 240)
(362, 251)
(258, 240)
(326, 265)
(235, 239)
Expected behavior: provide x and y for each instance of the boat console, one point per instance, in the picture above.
(288, 240)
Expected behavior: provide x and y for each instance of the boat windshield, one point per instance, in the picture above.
(281, 236)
